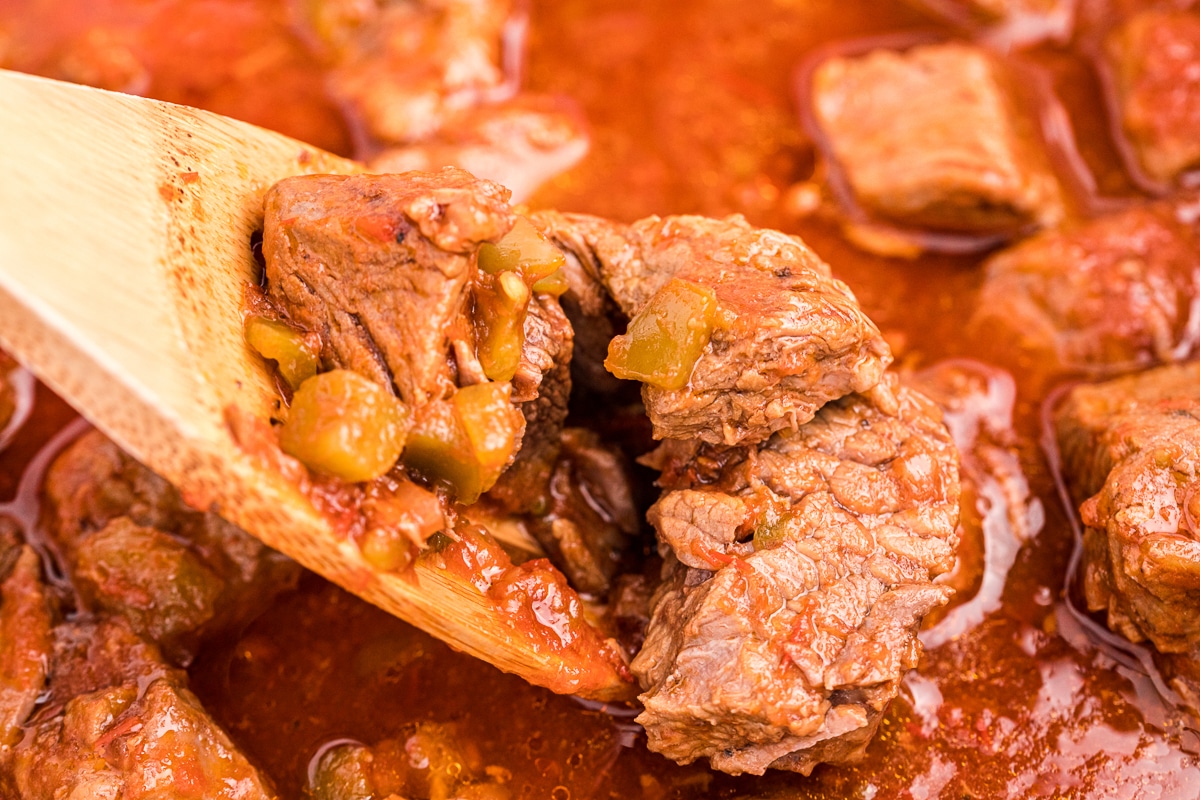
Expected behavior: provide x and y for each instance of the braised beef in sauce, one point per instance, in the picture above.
(690, 110)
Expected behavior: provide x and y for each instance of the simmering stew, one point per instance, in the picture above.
(953, 428)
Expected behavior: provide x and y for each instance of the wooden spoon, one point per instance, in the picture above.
(124, 249)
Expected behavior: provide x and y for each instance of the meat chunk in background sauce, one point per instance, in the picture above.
(25, 620)
(931, 137)
(135, 550)
(1131, 456)
(519, 144)
(786, 336)
(798, 572)
(1117, 291)
(1154, 62)
(90, 709)
(401, 67)
(1008, 23)
(119, 722)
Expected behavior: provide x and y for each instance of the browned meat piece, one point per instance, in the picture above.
(520, 144)
(798, 573)
(25, 649)
(588, 512)
(1154, 59)
(119, 722)
(930, 137)
(98, 654)
(541, 389)
(379, 266)
(1131, 453)
(162, 586)
(134, 740)
(787, 336)
(136, 550)
(1118, 291)
(629, 610)
(586, 303)
(403, 66)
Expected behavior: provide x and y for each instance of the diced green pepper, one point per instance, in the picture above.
(523, 249)
(771, 528)
(555, 283)
(488, 417)
(283, 344)
(663, 342)
(344, 425)
(439, 449)
(508, 270)
(466, 441)
(501, 302)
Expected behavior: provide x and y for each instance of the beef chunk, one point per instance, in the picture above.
(541, 389)
(798, 572)
(589, 512)
(25, 634)
(383, 270)
(1119, 290)
(128, 742)
(930, 137)
(118, 721)
(520, 144)
(787, 336)
(403, 66)
(379, 266)
(134, 549)
(162, 586)
(594, 315)
(96, 654)
(1131, 452)
(1154, 60)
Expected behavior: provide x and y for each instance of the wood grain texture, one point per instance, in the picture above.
(124, 247)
